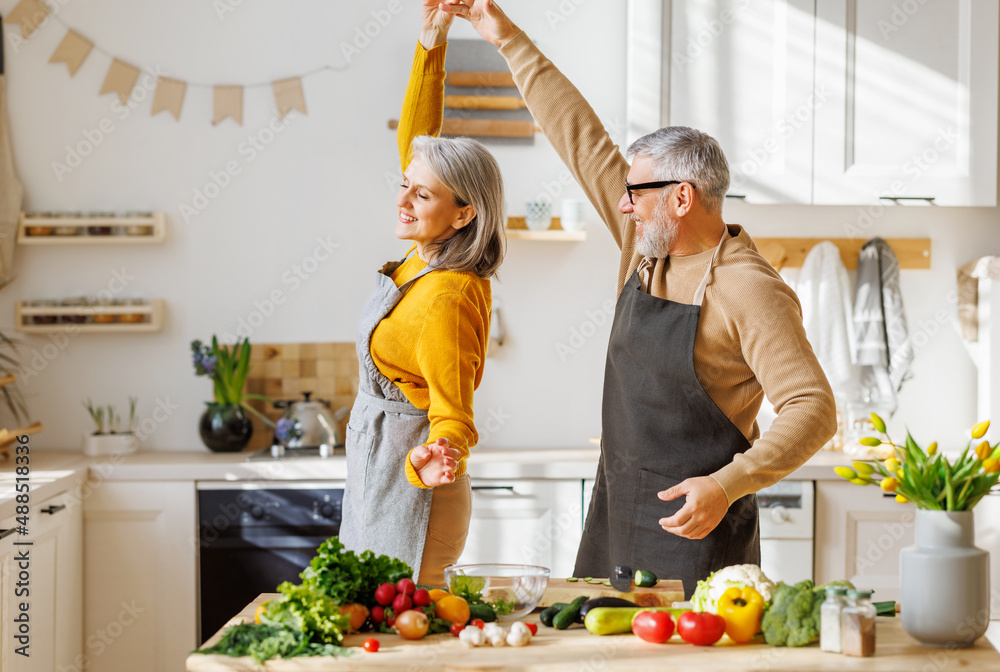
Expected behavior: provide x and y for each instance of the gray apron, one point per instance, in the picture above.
(382, 510)
(660, 427)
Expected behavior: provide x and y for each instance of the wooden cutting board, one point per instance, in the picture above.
(663, 594)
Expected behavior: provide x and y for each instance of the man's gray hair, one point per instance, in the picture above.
(682, 153)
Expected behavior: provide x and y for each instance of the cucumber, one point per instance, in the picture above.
(596, 602)
(483, 611)
(645, 578)
(617, 620)
(550, 612)
(567, 616)
(572, 579)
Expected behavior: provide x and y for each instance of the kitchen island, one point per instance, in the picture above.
(576, 649)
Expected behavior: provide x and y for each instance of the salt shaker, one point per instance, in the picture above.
(830, 616)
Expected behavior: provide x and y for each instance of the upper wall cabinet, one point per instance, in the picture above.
(827, 101)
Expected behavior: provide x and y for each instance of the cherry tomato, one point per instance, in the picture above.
(422, 598)
(385, 593)
(406, 587)
(533, 627)
(456, 628)
(401, 603)
(412, 624)
(371, 645)
(653, 626)
(477, 623)
(378, 614)
(702, 629)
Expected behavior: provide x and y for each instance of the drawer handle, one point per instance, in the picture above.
(6, 533)
(53, 509)
(929, 199)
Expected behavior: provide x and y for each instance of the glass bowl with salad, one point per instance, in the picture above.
(510, 590)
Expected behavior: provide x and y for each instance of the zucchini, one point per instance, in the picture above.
(645, 578)
(483, 611)
(550, 612)
(595, 602)
(567, 616)
(617, 620)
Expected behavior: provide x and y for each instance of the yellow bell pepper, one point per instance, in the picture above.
(741, 608)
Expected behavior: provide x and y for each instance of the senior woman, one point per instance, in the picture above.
(423, 337)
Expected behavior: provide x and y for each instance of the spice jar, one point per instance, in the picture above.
(829, 620)
(38, 230)
(78, 317)
(100, 317)
(102, 229)
(133, 318)
(138, 229)
(857, 624)
(44, 318)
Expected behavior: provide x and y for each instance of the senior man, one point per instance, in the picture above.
(704, 328)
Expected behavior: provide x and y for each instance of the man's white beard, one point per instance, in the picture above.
(657, 237)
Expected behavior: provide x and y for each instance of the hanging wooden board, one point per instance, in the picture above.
(484, 103)
(911, 253)
(490, 79)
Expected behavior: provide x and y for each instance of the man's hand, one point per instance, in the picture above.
(484, 15)
(704, 509)
(434, 24)
(435, 464)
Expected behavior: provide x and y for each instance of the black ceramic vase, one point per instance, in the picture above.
(224, 428)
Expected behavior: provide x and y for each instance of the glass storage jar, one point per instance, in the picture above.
(857, 624)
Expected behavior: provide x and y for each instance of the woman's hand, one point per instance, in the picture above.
(434, 24)
(484, 15)
(435, 464)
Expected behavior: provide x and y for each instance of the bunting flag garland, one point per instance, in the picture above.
(288, 96)
(228, 102)
(169, 96)
(30, 14)
(121, 79)
(72, 51)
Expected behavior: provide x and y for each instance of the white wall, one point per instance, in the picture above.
(329, 174)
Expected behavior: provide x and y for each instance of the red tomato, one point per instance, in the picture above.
(702, 629)
(422, 598)
(412, 624)
(533, 627)
(378, 614)
(653, 626)
(478, 623)
(401, 603)
(385, 593)
(456, 628)
(406, 586)
(371, 645)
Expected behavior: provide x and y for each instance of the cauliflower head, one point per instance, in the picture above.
(706, 595)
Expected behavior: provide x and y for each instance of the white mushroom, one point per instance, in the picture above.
(472, 637)
(519, 636)
(495, 634)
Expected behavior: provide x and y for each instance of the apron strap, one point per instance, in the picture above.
(389, 406)
(699, 294)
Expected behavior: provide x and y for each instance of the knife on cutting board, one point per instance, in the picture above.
(622, 579)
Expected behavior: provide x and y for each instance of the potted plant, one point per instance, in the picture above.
(224, 427)
(944, 578)
(107, 437)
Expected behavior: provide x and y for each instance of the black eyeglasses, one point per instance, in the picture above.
(652, 185)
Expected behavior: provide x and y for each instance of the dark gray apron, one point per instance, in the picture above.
(660, 427)
(382, 510)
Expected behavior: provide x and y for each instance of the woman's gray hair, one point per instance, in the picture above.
(682, 153)
(468, 170)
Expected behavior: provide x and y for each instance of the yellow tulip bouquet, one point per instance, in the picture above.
(926, 477)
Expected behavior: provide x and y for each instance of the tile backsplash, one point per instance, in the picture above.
(283, 371)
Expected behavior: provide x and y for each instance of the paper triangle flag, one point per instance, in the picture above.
(228, 103)
(169, 96)
(121, 80)
(30, 14)
(72, 51)
(288, 96)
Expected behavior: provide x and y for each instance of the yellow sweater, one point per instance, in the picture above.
(433, 343)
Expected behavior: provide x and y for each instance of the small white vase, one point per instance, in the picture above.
(944, 581)
(106, 444)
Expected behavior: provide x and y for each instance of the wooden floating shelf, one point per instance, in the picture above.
(911, 253)
(153, 312)
(497, 79)
(484, 103)
(157, 222)
(516, 230)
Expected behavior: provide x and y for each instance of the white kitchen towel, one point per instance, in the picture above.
(882, 344)
(824, 291)
(968, 293)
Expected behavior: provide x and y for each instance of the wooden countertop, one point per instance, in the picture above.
(576, 649)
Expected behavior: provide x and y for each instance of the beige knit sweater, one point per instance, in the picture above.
(750, 340)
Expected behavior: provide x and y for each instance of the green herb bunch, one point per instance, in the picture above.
(926, 477)
(228, 367)
(347, 577)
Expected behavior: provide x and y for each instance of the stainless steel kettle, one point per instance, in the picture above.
(314, 425)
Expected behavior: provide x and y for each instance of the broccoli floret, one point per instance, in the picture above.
(793, 619)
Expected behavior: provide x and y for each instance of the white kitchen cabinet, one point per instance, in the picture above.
(911, 108)
(140, 547)
(536, 522)
(859, 534)
(828, 101)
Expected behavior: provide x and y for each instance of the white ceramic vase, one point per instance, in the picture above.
(944, 581)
